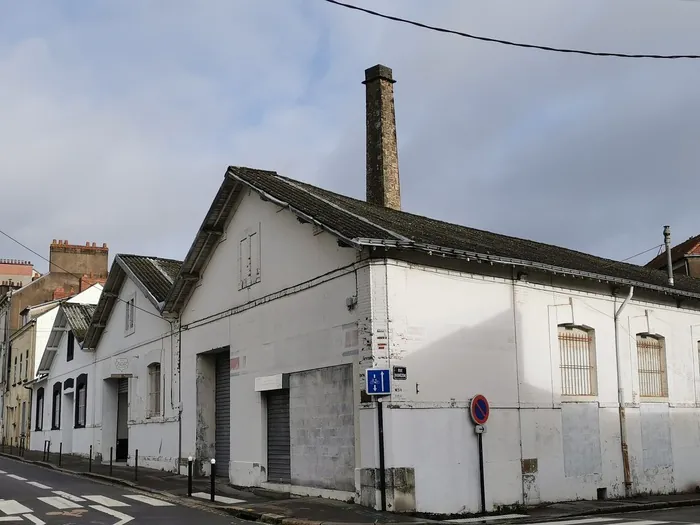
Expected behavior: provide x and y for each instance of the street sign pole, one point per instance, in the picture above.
(479, 410)
(378, 384)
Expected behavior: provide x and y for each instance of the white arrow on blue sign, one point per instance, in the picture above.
(378, 381)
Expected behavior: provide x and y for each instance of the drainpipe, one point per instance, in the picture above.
(179, 393)
(669, 259)
(621, 399)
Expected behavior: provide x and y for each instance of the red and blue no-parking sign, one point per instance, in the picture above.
(479, 409)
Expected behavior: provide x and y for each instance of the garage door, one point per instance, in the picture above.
(278, 439)
(222, 410)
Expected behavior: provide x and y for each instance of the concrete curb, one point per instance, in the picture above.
(279, 519)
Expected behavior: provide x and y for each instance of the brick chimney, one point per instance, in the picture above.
(383, 186)
(77, 259)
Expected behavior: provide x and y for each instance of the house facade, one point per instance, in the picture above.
(124, 361)
(72, 269)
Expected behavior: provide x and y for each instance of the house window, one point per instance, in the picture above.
(71, 346)
(14, 375)
(651, 365)
(81, 404)
(249, 259)
(154, 390)
(129, 315)
(56, 407)
(577, 361)
(26, 365)
(39, 409)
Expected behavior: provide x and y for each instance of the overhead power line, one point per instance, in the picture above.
(69, 273)
(507, 42)
(642, 253)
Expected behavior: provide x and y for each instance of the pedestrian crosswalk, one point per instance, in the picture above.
(64, 501)
(603, 520)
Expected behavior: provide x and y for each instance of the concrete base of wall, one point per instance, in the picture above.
(400, 489)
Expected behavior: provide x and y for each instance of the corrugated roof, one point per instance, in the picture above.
(155, 273)
(78, 317)
(364, 224)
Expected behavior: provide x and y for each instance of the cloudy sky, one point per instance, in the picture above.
(118, 118)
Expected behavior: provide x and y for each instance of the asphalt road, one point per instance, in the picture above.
(30, 494)
(677, 516)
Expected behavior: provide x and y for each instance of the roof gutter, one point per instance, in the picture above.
(480, 257)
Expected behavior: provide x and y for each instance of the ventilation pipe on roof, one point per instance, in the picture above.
(669, 259)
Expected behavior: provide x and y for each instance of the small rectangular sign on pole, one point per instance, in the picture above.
(378, 381)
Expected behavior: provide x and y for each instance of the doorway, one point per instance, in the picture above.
(122, 449)
(67, 422)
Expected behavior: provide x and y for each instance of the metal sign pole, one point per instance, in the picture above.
(382, 473)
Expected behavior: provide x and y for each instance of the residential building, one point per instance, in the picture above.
(16, 272)
(685, 257)
(72, 269)
(26, 349)
(113, 385)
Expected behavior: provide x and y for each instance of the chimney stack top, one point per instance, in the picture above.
(383, 184)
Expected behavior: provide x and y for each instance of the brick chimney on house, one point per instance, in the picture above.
(383, 186)
(82, 260)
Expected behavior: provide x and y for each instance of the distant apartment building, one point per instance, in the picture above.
(73, 268)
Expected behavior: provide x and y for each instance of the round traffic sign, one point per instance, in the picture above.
(479, 409)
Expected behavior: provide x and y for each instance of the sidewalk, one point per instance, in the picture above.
(281, 509)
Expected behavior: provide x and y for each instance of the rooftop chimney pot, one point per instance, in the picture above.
(383, 184)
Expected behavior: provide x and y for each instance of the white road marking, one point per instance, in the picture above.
(67, 496)
(15, 476)
(487, 518)
(38, 485)
(123, 518)
(60, 503)
(647, 522)
(3, 472)
(10, 518)
(107, 502)
(222, 499)
(580, 522)
(148, 500)
(11, 506)
(34, 519)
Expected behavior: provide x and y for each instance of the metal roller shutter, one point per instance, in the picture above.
(278, 438)
(222, 411)
(122, 386)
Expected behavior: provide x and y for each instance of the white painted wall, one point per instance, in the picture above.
(459, 335)
(44, 325)
(156, 438)
(75, 440)
(292, 320)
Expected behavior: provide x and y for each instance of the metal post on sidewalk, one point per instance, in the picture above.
(10, 446)
(189, 476)
(213, 477)
(136, 465)
(110, 460)
(90, 460)
(60, 452)
(43, 455)
(48, 453)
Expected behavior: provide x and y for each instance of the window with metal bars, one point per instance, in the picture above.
(651, 366)
(577, 361)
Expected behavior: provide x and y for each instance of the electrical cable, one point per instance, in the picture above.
(642, 253)
(508, 42)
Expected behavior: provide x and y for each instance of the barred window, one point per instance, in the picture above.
(577, 361)
(651, 365)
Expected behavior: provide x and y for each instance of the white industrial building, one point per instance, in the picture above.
(290, 292)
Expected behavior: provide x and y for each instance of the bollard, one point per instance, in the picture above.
(189, 476)
(136, 465)
(110, 460)
(48, 453)
(90, 460)
(213, 477)
(43, 455)
(10, 446)
(60, 452)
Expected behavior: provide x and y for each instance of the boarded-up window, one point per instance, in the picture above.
(651, 365)
(577, 361)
